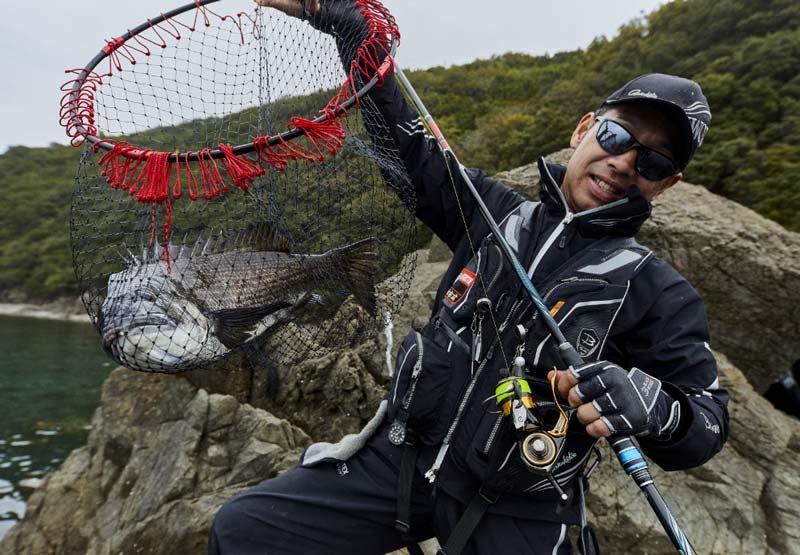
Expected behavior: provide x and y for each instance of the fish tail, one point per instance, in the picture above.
(360, 263)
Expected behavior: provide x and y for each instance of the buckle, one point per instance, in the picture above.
(402, 527)
(488, 495)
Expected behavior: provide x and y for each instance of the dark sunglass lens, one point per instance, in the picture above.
(614, 138)
(653, 165)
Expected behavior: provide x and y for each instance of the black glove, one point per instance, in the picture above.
(629, 402)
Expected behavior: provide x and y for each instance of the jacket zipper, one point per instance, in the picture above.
(490, 440)
(549, 295)
(568, 281)
(568, 217)
(437, 463)
(499, 271)
(510, 315)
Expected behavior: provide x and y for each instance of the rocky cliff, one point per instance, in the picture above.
(164, 452)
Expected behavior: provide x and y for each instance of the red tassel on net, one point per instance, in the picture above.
(210, 178)
(167, 227)
(241, 170)
(267, 154)
(372, 53)
(155, 178)
(327, 135)
(121, 165)
(153, 184)
(191, 181)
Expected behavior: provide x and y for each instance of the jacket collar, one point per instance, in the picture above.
(623, 217)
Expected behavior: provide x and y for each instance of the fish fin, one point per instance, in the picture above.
(259, 361)
(264, 236)
(198, 247)
(233, 326)
(360, 262)
(183, 250)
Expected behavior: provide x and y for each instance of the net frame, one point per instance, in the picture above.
(146, 174)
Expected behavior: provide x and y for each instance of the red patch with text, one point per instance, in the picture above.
(460, 286)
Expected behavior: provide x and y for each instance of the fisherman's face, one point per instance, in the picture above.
(595, 177)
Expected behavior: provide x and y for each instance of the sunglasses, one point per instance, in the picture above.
(650, 164)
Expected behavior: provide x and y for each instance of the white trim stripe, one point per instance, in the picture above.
(617, 261)
(560, 539)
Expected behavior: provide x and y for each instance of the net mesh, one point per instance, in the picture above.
(183, 260)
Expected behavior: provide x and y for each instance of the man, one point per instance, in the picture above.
(440, 458)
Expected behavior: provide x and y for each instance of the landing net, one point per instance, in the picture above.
(228, 194)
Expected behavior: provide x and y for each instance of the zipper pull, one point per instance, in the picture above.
(482, 307)
(434, 470)
(477, 342)
(563, 241)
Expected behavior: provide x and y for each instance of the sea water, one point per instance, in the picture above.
(50, 377)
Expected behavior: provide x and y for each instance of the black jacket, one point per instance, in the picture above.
(661, 326)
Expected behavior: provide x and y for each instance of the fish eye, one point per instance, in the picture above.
(147, 295)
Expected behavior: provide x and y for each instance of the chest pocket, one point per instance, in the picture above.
(584, 309)
(480, 278)
(425, 389)
(488, 275)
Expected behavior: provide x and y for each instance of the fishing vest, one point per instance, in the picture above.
(442, 391)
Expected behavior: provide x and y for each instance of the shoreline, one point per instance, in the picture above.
(43, 312)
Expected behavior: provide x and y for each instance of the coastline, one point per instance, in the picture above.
(50, 311)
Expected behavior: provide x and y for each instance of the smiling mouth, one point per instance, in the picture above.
(607, 187)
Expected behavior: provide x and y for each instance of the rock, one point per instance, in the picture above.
(438, 251)
(746, 267)
(336, 393)
(160, 459)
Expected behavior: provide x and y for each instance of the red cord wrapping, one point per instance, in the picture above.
(147, 176)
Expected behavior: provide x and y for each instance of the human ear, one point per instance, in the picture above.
(581, 129)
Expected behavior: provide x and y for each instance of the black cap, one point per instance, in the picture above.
(681, 98)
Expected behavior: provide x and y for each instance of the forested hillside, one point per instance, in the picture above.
(506, 111)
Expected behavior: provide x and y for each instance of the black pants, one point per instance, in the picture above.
(349, 508)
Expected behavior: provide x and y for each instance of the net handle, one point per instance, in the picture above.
(97, 143)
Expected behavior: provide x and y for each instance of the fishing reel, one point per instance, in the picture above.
(540, 444)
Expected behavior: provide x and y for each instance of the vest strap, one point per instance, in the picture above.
(402, 523)
(466, 525)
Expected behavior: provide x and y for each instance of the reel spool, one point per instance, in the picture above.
(539, 450)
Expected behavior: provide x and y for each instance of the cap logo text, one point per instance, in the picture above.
(640, 92)
(699, 129)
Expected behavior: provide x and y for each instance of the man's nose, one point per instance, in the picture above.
(625, 163)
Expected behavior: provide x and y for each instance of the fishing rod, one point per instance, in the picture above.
(627, 452)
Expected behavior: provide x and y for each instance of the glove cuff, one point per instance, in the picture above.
(666, 417)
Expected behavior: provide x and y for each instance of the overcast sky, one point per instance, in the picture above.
(39, 40)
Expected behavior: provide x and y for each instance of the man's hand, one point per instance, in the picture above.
(295, 8)
(611, 400)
